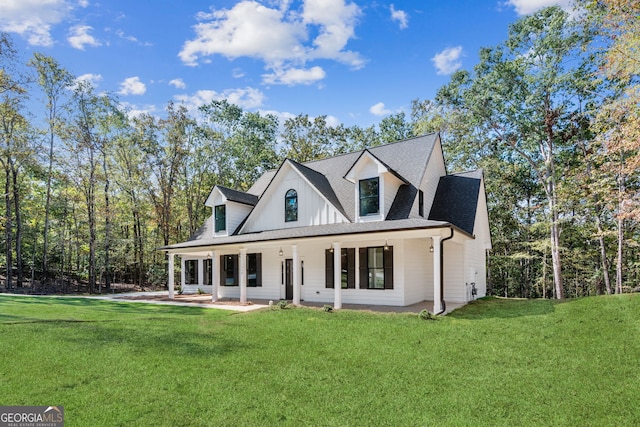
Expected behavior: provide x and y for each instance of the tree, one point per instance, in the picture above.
(528, 95)
(54, 81)
(617, 123)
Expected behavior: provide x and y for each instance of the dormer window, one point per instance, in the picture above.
(369, 196)
(291, 206)
(220, 218)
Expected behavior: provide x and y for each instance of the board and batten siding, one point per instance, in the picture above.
(313, 208)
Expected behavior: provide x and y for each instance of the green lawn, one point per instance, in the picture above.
(494, 362)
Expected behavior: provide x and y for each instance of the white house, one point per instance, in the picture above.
(386, 226)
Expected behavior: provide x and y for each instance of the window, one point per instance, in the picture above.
(208, 265)
(191, 272)
(220, 218)
(369, 196)
(229, 265)
(347, 268)
(376, 267)
(229, 270)
(254, 270)
(291, 206)
(420, 203)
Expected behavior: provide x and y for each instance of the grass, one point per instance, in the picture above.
(494, 362)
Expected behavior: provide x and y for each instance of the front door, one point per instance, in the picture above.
(288, 281)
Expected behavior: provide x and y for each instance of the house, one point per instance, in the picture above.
(384, 226)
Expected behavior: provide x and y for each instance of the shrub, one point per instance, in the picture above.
(425, 315)
(283, 304)
(327, 308)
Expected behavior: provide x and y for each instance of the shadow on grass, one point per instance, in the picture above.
(156, 336)
(116, 307)
(499, 307)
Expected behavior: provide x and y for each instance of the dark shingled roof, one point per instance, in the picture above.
(454, 204)
(402, 204)
(456, 200)
(238, 196)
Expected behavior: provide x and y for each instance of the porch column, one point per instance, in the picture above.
(171, 285)
(183, 273)
(215, 269)
(337, 276)
(437, 275)
(296, 275)
(200, 272)
(242, 272)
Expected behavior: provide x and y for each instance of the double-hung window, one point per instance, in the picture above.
(220, 218)
(376, 267)
(347, 268)
(369, 196)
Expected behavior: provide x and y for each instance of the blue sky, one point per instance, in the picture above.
(351, 60)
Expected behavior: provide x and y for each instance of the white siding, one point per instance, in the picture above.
(418, 267)
(236, 213)
(313, 209)
(454, 272)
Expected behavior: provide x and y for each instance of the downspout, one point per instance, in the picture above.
(442, 303)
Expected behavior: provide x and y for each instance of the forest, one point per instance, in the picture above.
(551, 115)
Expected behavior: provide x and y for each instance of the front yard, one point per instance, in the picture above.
(494, 362)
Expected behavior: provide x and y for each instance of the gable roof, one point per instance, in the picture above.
(456, 199)
(238, 196)
(373, 157)
(321, 183)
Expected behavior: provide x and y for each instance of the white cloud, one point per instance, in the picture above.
(178, 83)
(337, 22)
(245, 98)
(280, 37)
(379, 110)
(448, 61)
(400, 16)
(132, 86)
(79, 37)
(294, 76)
(92, 79)
(525, 7)
(134, 110)
(237, 73)
(33, 19)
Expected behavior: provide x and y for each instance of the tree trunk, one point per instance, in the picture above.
(8, 228)
(18, 215)
(603, 256)
(107, 226)
(47, 208)
(619, 263)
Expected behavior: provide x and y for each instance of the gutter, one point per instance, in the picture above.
(442, 303)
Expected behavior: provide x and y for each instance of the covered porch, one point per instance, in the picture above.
(423, 263)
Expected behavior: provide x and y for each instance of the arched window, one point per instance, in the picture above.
(291, 206)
